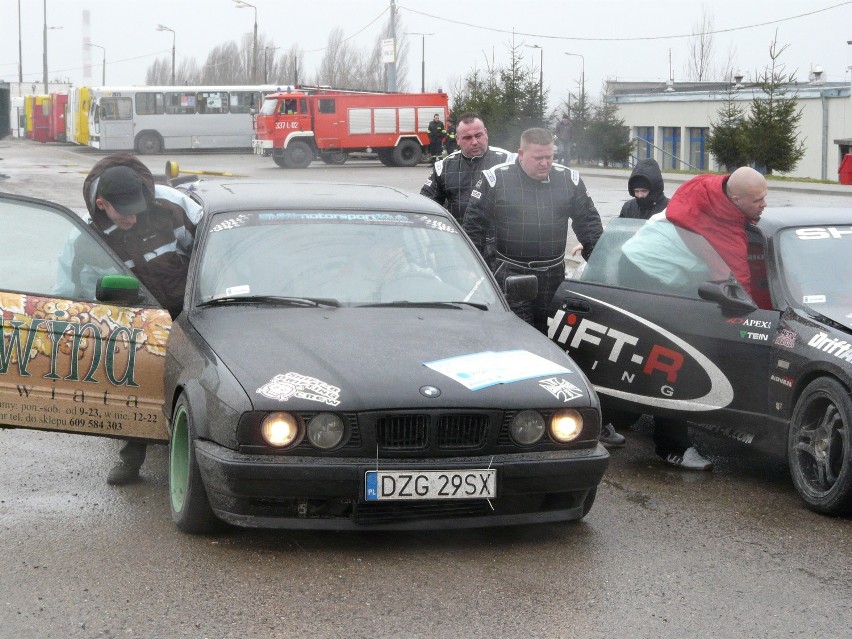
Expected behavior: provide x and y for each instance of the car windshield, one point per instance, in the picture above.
(816, 263)
(340, 259)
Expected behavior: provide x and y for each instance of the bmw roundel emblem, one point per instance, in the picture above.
(430, 391)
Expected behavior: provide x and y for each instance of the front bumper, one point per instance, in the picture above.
(267, 491)
(261, 147)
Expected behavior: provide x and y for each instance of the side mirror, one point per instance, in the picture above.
(520, 288)
(118, 289)
(729, 295)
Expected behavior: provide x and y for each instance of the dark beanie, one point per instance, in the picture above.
(638, 182)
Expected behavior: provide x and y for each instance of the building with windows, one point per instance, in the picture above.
(670, 122)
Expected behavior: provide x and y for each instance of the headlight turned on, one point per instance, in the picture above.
(326, 430)
(527, 427)
(279, 429)
(566, 425)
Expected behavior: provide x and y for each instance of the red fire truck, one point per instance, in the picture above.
(294, 127)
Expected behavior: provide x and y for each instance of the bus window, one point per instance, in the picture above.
(212, 102)
(180, 103)
(116, 109)
(150, 104)
(244, 101)
(326, 105)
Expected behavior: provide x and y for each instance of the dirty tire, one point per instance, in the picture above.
(188, 501)
(819, 447)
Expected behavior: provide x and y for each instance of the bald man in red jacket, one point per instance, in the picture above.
(718, 207)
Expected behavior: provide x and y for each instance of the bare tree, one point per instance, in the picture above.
(700, 61)
(159, 73)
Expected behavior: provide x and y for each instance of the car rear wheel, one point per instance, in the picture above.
(187, 496)
(819, 448)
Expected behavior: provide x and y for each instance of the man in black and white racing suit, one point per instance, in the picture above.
(526, 205)
(452, 178)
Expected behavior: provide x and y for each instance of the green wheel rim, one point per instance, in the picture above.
(179, 460)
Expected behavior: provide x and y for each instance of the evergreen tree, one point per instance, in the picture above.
(770, 130)
(507, 98)
(726, 140)
(608, 139)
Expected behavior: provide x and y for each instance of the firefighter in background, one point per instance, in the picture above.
(450, 144)
(436, 137)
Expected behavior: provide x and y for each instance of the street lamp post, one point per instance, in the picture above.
(44, 69)
(20, 48)
(422, 57)
(242, 4)
(103, 71)
(582, 78)
(162, 27)
(540, 74)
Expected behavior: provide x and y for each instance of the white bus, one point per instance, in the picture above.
(155, 119)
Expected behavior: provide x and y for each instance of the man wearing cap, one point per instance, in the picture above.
(151, 228)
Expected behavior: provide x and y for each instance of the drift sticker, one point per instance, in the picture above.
(283, 387)
(657, 369)
(561, 389)
(480, 370)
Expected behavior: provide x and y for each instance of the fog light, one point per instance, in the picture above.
(326, 430)
(566, 425)
(279, 429)
(527, 427)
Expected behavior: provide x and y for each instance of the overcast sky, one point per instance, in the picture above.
(632, 41)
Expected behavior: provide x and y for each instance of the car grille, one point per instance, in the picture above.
(409, 511)
(417, 431)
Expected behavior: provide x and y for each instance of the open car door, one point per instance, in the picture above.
(684, 347)
(83, 343)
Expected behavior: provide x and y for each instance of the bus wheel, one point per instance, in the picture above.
(149, 143)
(407, 153)
(298, 155)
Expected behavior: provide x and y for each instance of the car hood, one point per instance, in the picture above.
(839, 316)
(373, 358)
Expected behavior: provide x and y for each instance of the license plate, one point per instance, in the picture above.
(430, 484)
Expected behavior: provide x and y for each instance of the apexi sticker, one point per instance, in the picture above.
(647, 358)
(785, 338)
(742, 321)
(758, 337)
(561, 389)
(283, 387)
(833, 346)
(826, 233)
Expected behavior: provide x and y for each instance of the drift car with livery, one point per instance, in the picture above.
(344, 360)
(774, 371)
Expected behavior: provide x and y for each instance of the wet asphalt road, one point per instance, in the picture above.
(663, 553)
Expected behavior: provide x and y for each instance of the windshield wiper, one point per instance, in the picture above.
(406, 303)
(271, 299)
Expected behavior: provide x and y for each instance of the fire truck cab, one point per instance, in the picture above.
(295, 127)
